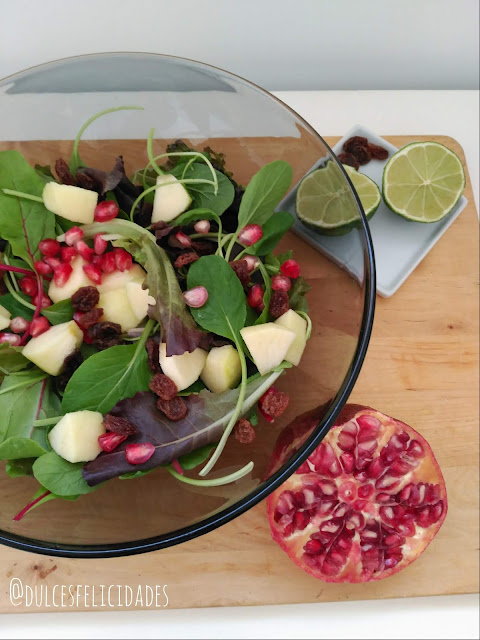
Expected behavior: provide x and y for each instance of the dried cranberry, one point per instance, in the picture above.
(163, 386)
(279, 303)
(85, 298)
(349, 158)
(242, 270)
(184, 259)
(174, 409)
(244, 431)
(120, 426)
(152, 349)
(273, 403)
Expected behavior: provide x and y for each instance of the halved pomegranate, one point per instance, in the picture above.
(365, 504)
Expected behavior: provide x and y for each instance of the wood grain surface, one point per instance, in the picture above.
(422, 367)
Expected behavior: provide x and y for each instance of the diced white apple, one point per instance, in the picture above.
(75, 436)
(116, 308)
(119, 279)
(268, 344)
(184, 370)
(49, 350)
(139, 299)
(292, 321)
(72, 203)
(171, 200)
(222, 369)
(77, 279)
(5, 316)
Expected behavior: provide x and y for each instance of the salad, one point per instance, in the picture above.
(142, 321)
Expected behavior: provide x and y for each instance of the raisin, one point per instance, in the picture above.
(63, 172)
(153, 355)
(184, 259)
(203, 247)
(90, 318)
(362, 154)
(279, 304)
(119, 425)
(244, 432)
(85, 298)
(70, 365)
(84, 181)
(105, 334)
(354, 142)
(274, 402)
(174, 409)
(163, 386)
(348, 158)
(241, 270)
(379, 153)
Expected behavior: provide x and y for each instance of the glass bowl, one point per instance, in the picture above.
(42, 110)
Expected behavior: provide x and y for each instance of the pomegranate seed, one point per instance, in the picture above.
(99, 244)
(183, 239)
(67, 254)
(10, 338)
(110, 441)
(84, 250)
(73, 235)
(281, 283)
(108, 262)
(123, 260)
(62, 274)
(18, 324)
(250, 234)
(255, 296)
(53, 262)
(196, 297)
(105, 211)
(252, 262)
(46, 302)
(38, 326)
(42, 268)
(139, 452)
(93, 272)
(28, 285)
(97, 261)
(290, 268)
(49, 247)
(202, 226)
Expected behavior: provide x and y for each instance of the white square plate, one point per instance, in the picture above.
(399, 245)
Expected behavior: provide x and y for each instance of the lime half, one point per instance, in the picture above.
(325, 203)
(423, 181)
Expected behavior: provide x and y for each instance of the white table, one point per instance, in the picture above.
(453, 113)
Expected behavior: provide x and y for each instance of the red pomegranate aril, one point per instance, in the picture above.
(252, 262)
(62, 274)
(255, 296)
(250, 234)
(84, 250)
(99, 244)
(38, 326)
(108, 264)
(93, 272)
(202, 226)
(9, 338)
(53, 262)
(49, 247)
(105, 211)
(196, 297)
(97, 261)
(110, 441)
(281, 283)
(139, 452)
(18, 324)
(290, 268)
(123, 260)
(44, 301)
(28, 285)
(42, 268)
(183, 239)
(73, 235)
(67, 254)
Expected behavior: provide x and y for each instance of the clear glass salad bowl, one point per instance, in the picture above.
(42, 110)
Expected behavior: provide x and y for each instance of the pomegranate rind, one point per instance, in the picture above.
(427, 473)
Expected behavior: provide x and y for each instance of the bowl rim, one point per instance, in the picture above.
(206, 525)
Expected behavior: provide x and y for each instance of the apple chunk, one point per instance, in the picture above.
(117, 308)
(4, 318)
(268, 344)
(291, 320)
(222, 369)
(49, 350)
(77, 279)
(139, 299)
(119, 279)
(171, 199)
(72, 203)
(184, 370)
(75, 436)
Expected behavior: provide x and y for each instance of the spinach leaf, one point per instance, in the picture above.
(203, 194)
(297, 294)
(107, 377)
(273, 231)
(264, 193)
(193, 459)
(272, 264)
(21, 395)
(283, 257)
(195, 387)
(59, 312)
(16, 448)
(59, 476)
(251, 316)
(44, 172)
(196, 214)
(11, 359)
(15, 307)
(23, 222)
(131, 475)
(51, 404)
(19, 468)
(224, 312)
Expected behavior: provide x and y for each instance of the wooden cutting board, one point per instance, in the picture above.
(422, 367)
